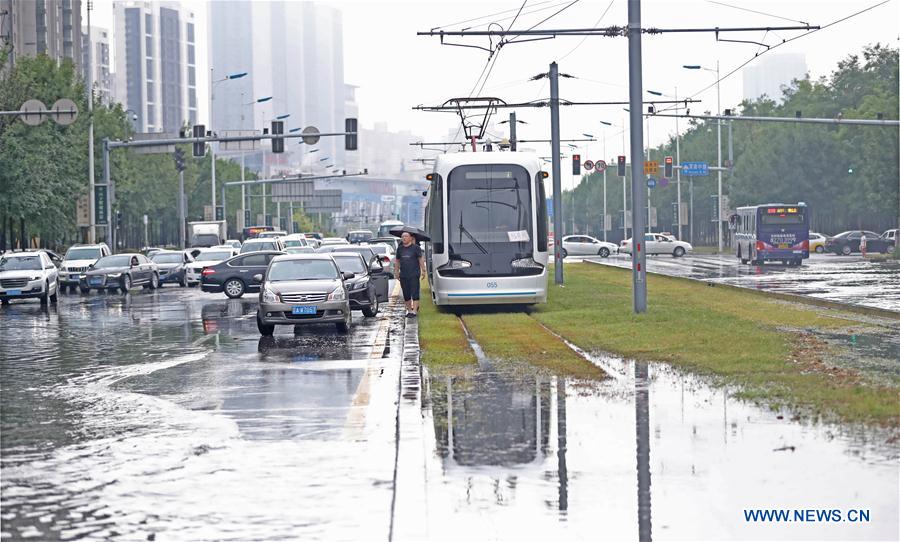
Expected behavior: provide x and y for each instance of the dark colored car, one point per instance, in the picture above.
(369, 286)
(392, 242)
(360, 236)
(367, 253)
(172, 266)
(121, 272)
(848, 242)
(235, 276)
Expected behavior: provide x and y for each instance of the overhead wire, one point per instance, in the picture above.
(596, 24)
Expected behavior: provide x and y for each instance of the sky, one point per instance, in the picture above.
(396, 69)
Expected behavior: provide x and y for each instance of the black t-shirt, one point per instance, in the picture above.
(409, 260)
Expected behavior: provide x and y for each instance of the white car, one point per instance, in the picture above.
(233, 243)
(77, 261)
(294, 240)
(205, 258)
(585, 245)
(334, 241)
(891, 235)
(255, 245)
(26, 275)
(274, 234)
(658, 243)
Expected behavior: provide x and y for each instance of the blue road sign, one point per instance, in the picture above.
(651, 183)
(550, 208)
(695, 169)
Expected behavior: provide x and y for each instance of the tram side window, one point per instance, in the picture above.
(541, 215)
(436, 215)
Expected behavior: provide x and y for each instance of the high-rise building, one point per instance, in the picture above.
(156, 67)
(771, 74)
(292, 51)
(101, 75)
(34, 27)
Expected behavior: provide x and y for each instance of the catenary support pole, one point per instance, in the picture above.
(557, 174)
(181, 232)
(512, 131)
(92, 227)
(678, 171)
(635, 84)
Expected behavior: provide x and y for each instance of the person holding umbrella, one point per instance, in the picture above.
(409, 265)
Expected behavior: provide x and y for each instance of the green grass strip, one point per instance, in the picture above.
(716, 331)
(442, 339)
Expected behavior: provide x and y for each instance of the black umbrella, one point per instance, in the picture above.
(418, 234)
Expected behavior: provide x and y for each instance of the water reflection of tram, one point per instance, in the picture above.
(487, 219)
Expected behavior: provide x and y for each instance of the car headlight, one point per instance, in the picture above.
(358, 285)
(269, 295)
(114, 275)
(35, 278)
(337, 294)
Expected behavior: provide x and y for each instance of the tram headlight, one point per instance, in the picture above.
(526, 264)
(455, 264)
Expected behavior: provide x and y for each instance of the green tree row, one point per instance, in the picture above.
(847, 175)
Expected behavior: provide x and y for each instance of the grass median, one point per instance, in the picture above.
(745, 338)
(442, 340)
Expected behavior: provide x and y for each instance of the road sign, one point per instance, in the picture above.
(153, 149)
(228, 146)
(651, 183)
(695, 169)
(588, 165)
(600, 166)
(550, 208)
(664, 182)
(607, 223)
(310, 135)
(83, 211)
(651, 217)
(714, 201)
(100, 204)
(651, 167)
(64, 111)
(34, 110)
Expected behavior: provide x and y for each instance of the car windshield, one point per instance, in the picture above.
(21, 263)
(213, 256)
(350, 263)
(83, 254)
(168, 257)
(364, 252)
(121, 260)
(302, 270)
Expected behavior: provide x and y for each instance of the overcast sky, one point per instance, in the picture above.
(395, 69)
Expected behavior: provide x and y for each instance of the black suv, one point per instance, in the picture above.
(234, 276)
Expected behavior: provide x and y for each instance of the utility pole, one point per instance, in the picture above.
(604, 190)
(635, 89)
(92, 228)
(557, 173)
(181, 238)
(212, 146)
(108, 182)
(730, 158)
(512, 131)
(678, 171)
(719, 156)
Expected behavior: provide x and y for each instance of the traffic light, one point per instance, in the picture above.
(350, 141)
(199, 146)
(179, 159)
(668, 168)
(621, 166)
(277, 142)
(576, 164)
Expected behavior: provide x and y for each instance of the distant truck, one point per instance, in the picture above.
(207, 234)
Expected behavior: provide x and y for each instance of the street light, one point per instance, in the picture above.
(212, 148)
(718, 142)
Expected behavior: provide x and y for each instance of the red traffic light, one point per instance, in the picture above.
(576, 157)
(668, 159)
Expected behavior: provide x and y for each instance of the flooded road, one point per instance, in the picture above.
(164, 415)
(848, 279)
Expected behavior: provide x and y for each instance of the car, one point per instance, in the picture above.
(657, 243)
(313, 235)
(385, 255)
(392, 242)
(173, 266)
(76, 262)
(121, 272)
(585, 245)
(334, 241)
(303, 289)
(359, 236)
(28, 274)
(891, 235)
(235, 276)
(300, 250)
(365, 251)
(150, 251)
(258, 244)
(274, 234)
(294, 240)
(847, 242)
(206, 257)
(817, 242)
(313, 242)
(369, 286)
(234, 243)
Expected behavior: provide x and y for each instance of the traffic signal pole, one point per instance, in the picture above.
(557, 174)
(635, 84)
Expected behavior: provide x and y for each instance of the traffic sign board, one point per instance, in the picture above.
(651, 183)
(33, 112)
(64, 111)
(651, 167)
(600, 166)
(310, 135)
(664, 182)
(695, 169)
(588, 165)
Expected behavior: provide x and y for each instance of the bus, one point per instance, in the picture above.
(486, 215)
(384, 230)
(252, 232)
(775, 231)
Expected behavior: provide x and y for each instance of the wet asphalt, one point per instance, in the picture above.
(847, 279)
(164, 415)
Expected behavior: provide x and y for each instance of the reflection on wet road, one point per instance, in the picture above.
(164, 414)
(848, 279)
